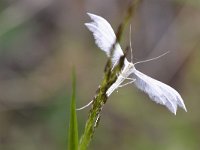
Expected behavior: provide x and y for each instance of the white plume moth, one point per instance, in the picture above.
(156, 90)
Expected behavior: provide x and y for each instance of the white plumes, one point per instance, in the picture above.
(104, 37)
(156, 90)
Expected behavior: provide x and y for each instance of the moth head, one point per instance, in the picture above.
(131, 67)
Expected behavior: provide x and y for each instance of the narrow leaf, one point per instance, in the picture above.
(73, 126)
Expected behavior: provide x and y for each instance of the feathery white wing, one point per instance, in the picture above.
(104, 37)
(158, 91)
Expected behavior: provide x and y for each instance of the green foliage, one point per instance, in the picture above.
(73, 126)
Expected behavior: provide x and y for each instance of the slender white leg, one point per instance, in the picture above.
(114, 65)
(122, 85)
(85, 106)
(128, 78)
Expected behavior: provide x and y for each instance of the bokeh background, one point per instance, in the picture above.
(41, 41)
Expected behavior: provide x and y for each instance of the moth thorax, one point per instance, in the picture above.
(128, 69)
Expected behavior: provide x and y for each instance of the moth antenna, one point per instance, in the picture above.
(152, 58)
(85, 106)
(131, 45)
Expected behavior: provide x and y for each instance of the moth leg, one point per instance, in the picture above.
(85, 105)
(113, 66)
(132, 80)
(128, 78)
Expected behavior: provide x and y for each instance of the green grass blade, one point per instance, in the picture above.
(73, 126)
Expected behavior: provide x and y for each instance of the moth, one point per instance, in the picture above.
(157, 91)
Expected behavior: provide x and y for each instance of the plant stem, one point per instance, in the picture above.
(110, 77)
(98, 102)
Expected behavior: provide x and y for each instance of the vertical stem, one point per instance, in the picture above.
(109, 78)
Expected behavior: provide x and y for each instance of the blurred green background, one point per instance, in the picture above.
(40, 42)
